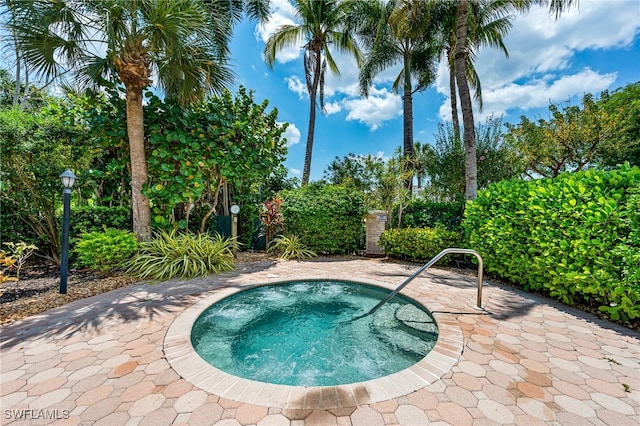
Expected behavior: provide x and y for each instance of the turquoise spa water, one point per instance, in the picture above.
(299, 334)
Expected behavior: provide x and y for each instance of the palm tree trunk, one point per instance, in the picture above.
(407, 113)
(312, 121)
(135, 130)
(454, 102)
(471, 167)
(407, 101)
(310, 134)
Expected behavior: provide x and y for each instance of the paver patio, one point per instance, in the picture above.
(526, 360)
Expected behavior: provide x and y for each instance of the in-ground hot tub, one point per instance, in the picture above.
(303, 334)
(247, 338)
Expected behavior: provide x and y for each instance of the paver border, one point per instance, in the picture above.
(186, 362)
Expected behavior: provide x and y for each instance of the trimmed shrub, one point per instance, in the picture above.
(560, 236)
(186, 255)
(105, 250)
(420, 213)
(418, 244)
(628, 289)
(327, 218)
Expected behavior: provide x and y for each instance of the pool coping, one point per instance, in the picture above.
(186, 362)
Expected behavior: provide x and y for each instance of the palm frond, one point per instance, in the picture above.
(285, 36)
(309, 68)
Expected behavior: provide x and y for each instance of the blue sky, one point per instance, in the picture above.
(589, 49)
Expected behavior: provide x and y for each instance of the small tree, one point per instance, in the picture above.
(199, 153)
(445, 167)
(363, 172)
(570, 140)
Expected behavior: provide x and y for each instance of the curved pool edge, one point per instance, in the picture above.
(186, 362)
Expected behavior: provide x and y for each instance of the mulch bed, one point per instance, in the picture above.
(39, 288)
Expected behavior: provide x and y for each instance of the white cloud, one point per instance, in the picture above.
(541, 55)
(296, 85)
(540, 93)
(295, 171)
(332, 107)
(292, 134)
(282, 13)
(380, 106)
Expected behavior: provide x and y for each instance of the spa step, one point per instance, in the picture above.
(412, 334)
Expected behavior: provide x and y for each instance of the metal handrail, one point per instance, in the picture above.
(429, 264)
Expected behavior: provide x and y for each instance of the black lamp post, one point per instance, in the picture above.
(68, 179)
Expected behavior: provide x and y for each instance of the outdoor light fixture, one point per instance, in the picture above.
(68, 179)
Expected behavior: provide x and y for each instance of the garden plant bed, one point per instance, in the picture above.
(39, 288)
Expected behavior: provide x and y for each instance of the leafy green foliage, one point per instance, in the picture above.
(560, 236)
(327, 218)
(623, 110)
(36, 148)
(629, 251)
(88, 219)
(102, 119)
(444, 166)
(196, 152)
(290, 247)
(363, 172)
(391, 190)
(417, 244)
(570, 140)
(184, 255)
(420, 213)
(105, 251)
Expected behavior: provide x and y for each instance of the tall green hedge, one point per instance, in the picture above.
(564, 236)
(419, 213)
(327, 218)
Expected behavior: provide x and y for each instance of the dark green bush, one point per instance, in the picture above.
(561, 236)
(88, 219)
(417, 244)
(420, 213)
(327, 218)
(105, 250)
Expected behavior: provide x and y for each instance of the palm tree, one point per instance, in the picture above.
(461, 55)
(184, 43)
(422, 153)
(322, 25)
(489, 21)
(401, 32)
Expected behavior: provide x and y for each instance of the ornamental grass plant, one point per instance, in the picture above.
(290, 247)
(182, 255)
